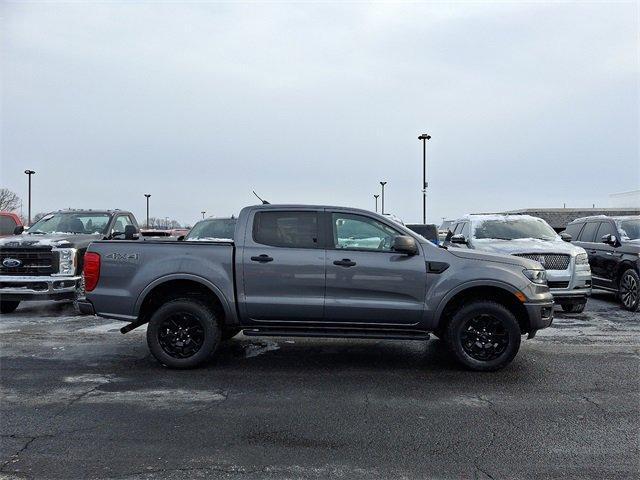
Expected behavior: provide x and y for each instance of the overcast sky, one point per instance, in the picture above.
(529, 105)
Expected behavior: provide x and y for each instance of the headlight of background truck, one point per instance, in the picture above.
(582, 259)
(66, 261)
(536, 276)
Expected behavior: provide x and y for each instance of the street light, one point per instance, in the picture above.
(383, 184)
(29, 173)
(376, 197)
(424, 137)
(147, 195)
(203, 212)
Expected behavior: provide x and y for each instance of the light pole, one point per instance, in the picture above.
(203, 212)
(29, 173)
(383, 184)
(424, 137)
(376, 197)
(147, 195)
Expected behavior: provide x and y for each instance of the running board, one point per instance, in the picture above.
(337, 333)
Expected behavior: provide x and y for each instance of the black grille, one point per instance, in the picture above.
(34, 261)
(558, 284)
(550, 261)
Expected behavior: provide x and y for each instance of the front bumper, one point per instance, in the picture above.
(14, 287)
(572, 285)
(540, 315)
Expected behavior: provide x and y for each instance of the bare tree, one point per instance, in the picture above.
(9, 201)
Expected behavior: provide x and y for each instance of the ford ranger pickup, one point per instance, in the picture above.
(317, 271)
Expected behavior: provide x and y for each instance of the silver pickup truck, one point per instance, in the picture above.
(317, 271)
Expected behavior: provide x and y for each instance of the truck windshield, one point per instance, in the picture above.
(512, 229)
(71, 222)
(213, 229)
(629, 229)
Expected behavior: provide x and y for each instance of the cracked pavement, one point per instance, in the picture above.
(80, 400)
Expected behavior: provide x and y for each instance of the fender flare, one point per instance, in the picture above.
(467, 285)
(229, 315)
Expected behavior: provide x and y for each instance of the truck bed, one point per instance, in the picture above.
(131, 268)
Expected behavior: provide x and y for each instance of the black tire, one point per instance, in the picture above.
(9, 306)
(183, 333)
(629, 290)
(573, 307)
(496, 348)
(229, 333)
(80, 295)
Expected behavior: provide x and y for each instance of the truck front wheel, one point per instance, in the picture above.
(483, 335)
(8, 306)
(183, 333)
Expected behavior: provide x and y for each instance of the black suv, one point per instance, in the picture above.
(613, 246)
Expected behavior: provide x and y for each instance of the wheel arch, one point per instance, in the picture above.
(182, 285)
(493, 290)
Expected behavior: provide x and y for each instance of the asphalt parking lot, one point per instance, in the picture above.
(80, 400)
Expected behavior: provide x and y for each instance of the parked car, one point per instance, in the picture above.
(567, 265)
(428, 231)
(8, 223)
(613, 246)
(45, 262)
(212, 229)
(294, 270)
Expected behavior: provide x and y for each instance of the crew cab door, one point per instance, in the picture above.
(283, 266)
(367, 282)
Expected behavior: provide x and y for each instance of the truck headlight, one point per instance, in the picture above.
(66, 261)
(536, 276)
(582, 259)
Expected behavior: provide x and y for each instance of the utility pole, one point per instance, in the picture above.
(382, 184)
(147, 195)
(29, 173)
(424, 137)
(376, 197)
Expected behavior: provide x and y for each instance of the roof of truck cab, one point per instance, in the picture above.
(276, 206)
(89, 210)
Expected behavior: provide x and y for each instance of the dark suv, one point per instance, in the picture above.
(613, 246)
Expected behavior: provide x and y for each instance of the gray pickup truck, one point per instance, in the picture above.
(317, 271)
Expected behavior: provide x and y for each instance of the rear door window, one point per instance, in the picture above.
(286, 229)
(589, 232)
(574, 230)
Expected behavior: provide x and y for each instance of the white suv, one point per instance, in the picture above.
(566, 265)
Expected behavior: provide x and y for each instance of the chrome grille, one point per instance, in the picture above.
(550, 261)
(33, 261)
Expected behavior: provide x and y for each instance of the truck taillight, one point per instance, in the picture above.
(91, 270)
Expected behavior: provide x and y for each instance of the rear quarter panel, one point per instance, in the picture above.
(129, 270)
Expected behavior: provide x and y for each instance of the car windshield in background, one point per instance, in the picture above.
(513, 229)
(72, 222)
(629, 229)
(213, 229)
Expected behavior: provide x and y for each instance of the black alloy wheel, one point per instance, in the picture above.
(630, 290)
(181, 335)
(484, 337)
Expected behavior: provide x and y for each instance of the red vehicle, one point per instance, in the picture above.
(8, 223)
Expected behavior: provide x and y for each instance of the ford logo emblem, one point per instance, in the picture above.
(11, 262)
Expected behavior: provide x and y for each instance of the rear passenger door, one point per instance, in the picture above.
(283, 266)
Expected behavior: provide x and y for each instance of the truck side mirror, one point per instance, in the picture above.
(609, 239)
(459, 239)
(566, 237)
(18, 230)
(181, 238)
(129, 232)
(405, 244)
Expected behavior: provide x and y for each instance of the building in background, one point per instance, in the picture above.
(629, 199)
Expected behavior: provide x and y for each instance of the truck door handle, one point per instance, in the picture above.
(262, 258)
(345, 262)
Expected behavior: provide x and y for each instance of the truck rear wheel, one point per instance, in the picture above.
(183, 333)
(483, 335)
(8, 306)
